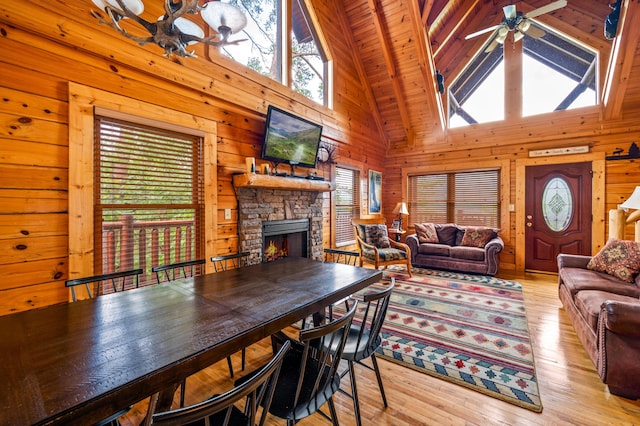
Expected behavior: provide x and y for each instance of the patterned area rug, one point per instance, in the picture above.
(468, 329)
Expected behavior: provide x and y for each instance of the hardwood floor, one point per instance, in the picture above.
(571, 392)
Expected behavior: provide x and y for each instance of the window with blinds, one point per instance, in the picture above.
(347, 204)
(149, 197)
(465, 198)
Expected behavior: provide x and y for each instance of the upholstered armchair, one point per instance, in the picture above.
(375, 246)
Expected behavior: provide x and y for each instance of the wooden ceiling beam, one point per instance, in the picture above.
(383, 37)
(426, 10)
(366, 84)
(452, 27)
(621, 60)
(426, 64)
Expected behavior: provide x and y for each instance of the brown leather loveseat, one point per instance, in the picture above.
(605, 312)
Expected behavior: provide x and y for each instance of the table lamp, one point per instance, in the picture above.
(633, 202)
(401, 208)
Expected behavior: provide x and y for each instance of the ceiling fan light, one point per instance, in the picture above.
(136, 6)
(524, 25)
(517, 36)
(223, 17)
(500, 38)
(502, 32)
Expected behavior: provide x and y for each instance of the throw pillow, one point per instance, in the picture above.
(477, 236)
(377, 235)
(619, 258)
(426, 233)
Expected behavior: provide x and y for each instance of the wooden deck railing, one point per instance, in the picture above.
(127, 244)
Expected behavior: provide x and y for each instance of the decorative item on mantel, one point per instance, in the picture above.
(171, 31)
(634, 152)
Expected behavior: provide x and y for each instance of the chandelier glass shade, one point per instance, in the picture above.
(171, 31)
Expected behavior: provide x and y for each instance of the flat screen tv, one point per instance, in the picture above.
(290, 139)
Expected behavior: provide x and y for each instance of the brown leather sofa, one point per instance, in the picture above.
(605, 312)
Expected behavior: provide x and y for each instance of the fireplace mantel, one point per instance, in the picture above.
(254, 180)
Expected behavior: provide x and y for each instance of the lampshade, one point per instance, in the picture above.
(517, 36)
(221, 16)
(401, 208)
(632, 202)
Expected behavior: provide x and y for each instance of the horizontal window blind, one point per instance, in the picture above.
(347, 204)
(466, 198)
(149, 197)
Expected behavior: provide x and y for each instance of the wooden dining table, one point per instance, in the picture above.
(77, 363)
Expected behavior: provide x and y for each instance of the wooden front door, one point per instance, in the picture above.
(557, 213)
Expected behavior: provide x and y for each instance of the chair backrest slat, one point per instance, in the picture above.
(258, 389)
(230, 261)
(323, 346)
(118, 281)
(174, 271)
(374, 315)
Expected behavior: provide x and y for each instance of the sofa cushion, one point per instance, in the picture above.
(620, 258)
(377, 235)
(477, 236)
(385, 254)
(588, 303)
(426, 233)
(579, 279)
(447, 233)
(434, 249)
(467, 253)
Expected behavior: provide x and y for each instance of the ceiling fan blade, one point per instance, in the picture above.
(535, 32)
(546, 9)
(486, 30)
(491, 46)
(510, 12)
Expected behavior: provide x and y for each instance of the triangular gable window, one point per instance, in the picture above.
(558, 74)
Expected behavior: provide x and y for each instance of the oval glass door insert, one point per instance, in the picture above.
(557, 204)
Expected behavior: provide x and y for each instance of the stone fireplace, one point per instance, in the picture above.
(272, 215)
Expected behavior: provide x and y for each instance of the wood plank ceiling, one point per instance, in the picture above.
(401, 43)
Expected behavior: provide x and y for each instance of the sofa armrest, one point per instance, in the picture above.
(496, 245)
(492, 255)
(621, 317)
(572, 261)
(413, 243)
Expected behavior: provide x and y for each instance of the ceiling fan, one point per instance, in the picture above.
(517, 22)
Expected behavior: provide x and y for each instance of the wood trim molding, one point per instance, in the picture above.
(597, 199)
(83, 102)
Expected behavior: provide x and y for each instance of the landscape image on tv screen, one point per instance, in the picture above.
(290, 139)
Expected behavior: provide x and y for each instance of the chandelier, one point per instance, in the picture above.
(173, 32)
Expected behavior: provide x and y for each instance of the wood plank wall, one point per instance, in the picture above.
(46, 45)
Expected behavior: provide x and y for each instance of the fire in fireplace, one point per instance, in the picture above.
(283, 238)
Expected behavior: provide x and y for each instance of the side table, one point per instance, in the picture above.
(397, 233)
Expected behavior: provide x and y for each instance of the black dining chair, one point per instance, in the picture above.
(363, 339)
(174, 271)
(230, 261)
(97, 285)
(221, 409)
(347, 257)
(223, 263)
(309, 375)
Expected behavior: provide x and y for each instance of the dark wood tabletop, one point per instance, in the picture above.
(79, 362)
